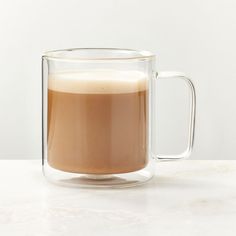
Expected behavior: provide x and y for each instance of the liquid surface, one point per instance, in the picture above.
(97, 122)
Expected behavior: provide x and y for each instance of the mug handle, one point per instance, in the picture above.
(187, 152)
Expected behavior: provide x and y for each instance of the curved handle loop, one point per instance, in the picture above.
(187, 152)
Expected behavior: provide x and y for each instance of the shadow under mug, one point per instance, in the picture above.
(98, 114)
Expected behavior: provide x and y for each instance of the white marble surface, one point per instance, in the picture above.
(185, 198)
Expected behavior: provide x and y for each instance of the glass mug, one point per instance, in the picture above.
(98, 106)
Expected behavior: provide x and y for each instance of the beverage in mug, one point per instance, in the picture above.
(97, 121)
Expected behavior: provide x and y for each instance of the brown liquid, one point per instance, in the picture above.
(97, 133)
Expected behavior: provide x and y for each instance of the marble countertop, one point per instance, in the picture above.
(184, 198)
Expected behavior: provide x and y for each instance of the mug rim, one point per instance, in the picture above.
(128, 54)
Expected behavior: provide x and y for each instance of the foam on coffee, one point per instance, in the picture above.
(98, 82)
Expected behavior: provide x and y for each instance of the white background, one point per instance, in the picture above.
(197, 37)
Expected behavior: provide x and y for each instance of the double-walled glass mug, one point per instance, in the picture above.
(98, 106)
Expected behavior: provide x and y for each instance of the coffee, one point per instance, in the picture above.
(97, 121)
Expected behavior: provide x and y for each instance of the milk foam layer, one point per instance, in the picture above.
(98, 81)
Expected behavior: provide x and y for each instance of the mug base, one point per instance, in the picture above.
(98, 181)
